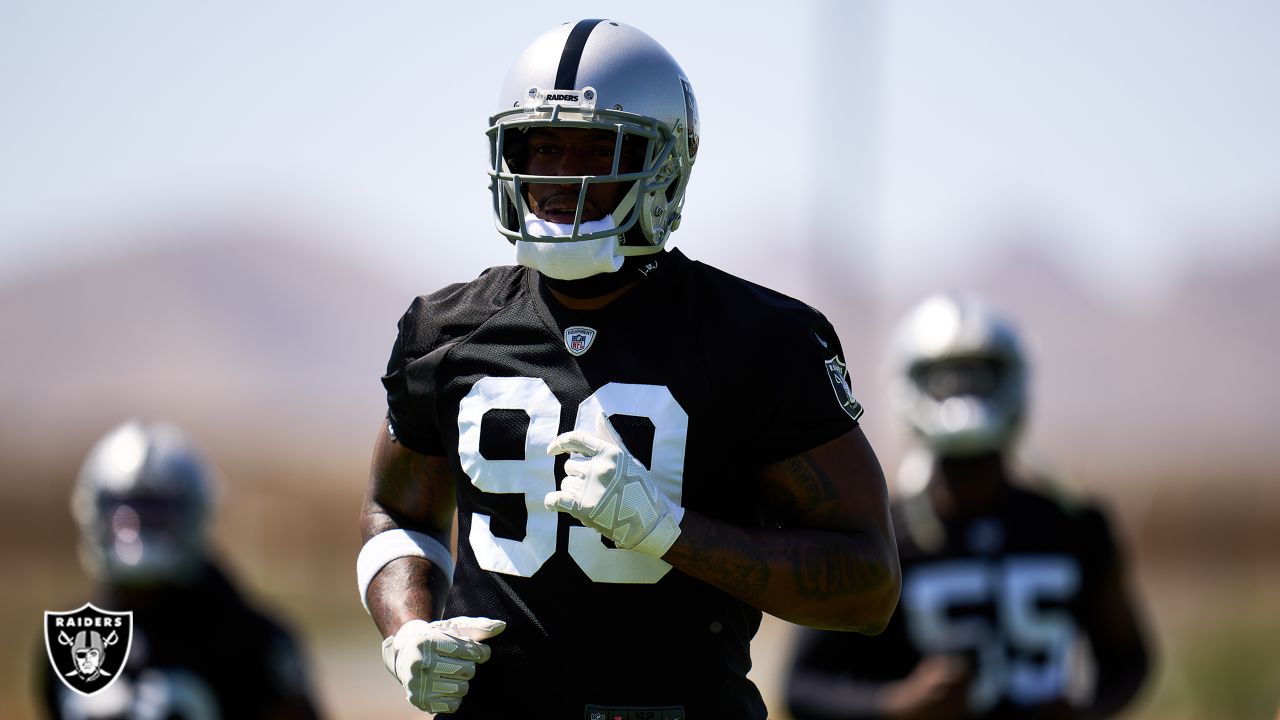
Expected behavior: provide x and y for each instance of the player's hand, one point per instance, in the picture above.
(613, 493)
(937, 689)
(434, 660)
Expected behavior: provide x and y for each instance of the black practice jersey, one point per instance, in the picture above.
(198, 653)
(1008, 589)
(706, 378)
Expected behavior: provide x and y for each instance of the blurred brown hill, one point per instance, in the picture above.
(265, 344)
(1176, 385)
(261, 344)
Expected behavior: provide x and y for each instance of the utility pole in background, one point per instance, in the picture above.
(844, 131)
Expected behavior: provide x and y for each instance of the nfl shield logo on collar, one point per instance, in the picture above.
(88, 647)
(578, 339)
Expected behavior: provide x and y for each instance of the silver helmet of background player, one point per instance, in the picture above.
(142, 502)
(960, 376)
(599, 74)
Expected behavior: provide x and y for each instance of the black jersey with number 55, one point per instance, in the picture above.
(706, 378)
(1009, 591)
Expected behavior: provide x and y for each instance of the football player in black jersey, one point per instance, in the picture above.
(643, 452)
(1003, 579)
(199, 651)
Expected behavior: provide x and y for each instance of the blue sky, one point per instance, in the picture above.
(916, 135)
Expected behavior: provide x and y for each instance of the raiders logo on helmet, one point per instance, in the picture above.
(88, 646)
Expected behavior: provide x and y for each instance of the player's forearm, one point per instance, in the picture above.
(407, 589)
(819, 578)
(413, 493)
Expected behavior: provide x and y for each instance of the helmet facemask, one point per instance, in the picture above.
(142, 503)
(606, 76)
(136, 541)
(962, 406)
(645, 156)
(960, 381)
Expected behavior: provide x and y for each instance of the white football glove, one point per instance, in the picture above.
(612, 493)
(434, 660)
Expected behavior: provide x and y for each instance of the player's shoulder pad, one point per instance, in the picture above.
(1079, 509)
(1053, 488)
(750, 310)
(454, 311)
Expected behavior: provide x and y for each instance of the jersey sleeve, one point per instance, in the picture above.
(803, 389)
(410, 402)
(432, 326)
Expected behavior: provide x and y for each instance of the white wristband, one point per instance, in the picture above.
(393, 545)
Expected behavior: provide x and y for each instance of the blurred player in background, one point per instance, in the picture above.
(644, 452)
(200, 651)
(1005, 581)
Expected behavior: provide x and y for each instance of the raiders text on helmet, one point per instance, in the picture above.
(603, 75)
(960, 376)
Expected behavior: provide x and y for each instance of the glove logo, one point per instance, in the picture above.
(88, 646)
(578, 339)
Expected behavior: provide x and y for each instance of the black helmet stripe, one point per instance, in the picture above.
(571, 56)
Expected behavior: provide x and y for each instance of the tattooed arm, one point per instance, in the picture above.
(832, 563)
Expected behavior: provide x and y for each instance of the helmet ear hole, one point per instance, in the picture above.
(674, 188)
(635, 237)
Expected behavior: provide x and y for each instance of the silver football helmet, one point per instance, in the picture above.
(599, 74)
(960, 376)
(142, 501)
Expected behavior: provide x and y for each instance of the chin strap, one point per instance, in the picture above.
(569, 260)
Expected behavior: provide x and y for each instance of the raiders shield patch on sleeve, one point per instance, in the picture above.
(838, 373)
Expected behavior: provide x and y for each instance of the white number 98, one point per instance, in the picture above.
(534, 475)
